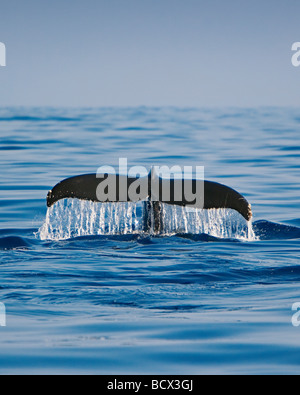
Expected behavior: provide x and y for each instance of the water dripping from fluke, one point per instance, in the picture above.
(71, 218)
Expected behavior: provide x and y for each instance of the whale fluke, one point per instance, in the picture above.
(86, 187)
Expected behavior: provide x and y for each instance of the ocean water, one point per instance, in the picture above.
(86, 291)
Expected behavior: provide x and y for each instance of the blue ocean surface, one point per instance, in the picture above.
(213, 295)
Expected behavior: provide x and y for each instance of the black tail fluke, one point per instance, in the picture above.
(85, 187)
(220, 196)
(98, 189)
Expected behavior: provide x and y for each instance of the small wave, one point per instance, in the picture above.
(13, 243)
(267, 230)
(71, 218)
(28, 118)
(12, 148)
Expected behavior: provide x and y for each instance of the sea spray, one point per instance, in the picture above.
(70, 218)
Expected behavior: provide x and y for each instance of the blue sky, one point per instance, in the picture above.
(149, 52)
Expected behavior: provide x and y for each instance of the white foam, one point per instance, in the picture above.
(71, 218)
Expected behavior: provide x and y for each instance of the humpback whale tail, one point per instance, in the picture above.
(153, 190)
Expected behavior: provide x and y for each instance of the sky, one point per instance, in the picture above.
(198, 53)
